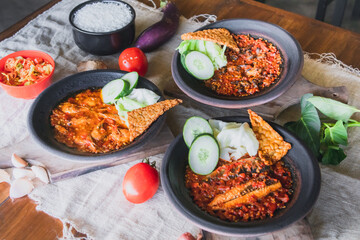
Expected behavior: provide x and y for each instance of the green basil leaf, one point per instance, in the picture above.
(333, 155)
(336, 134)
(332, 108)
(307, 128)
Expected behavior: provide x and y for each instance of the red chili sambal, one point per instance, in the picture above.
(86, 123)
(255, 67)
(243, 190)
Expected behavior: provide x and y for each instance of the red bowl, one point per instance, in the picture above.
(30, 91)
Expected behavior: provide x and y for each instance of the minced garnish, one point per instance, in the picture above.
(255, 67)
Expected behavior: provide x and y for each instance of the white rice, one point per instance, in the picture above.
(102, 17)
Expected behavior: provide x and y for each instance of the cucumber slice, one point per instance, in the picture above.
(128, 104)
(114, 90)
(194, 127)
(199, 65)
(204, 154)
(132, 78)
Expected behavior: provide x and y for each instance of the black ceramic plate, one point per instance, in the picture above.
(287, 44)
(39, 114)
(306, 175)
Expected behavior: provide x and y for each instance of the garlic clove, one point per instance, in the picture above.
(18, 161)
(4, 176)
(23, 172)
(20, 187)
(40, 173)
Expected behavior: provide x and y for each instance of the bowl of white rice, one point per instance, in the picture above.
(103, 27)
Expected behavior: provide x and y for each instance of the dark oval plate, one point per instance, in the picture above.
(306, 176)
(284, 41)
(39, 114)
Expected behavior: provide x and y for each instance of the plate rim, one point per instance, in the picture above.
(101, 157)
(237, 231)
(241, 103)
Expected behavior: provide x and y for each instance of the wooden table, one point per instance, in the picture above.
(20, 220)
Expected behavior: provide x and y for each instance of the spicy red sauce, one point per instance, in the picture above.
(228, 175)
(255, 67)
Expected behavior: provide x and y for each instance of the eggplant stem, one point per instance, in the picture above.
(163, 3)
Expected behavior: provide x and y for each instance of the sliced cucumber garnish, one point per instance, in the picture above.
(194, 127)
(132, 78)
(114, 90)
(199, 65)
(204, 154)
(129, 104)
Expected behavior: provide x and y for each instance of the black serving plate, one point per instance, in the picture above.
(39, 114)
(306, 176)
(290, 49)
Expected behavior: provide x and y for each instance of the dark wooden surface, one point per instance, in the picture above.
(20, 220)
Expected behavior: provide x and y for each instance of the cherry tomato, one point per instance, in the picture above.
(141, 182)
(133, 59)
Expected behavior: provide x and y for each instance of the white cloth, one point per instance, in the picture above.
(94, 203)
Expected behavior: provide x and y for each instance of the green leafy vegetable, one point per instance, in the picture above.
(332, 108)
(333, 155)
(326, 144)
(336, 134)
(307, 128)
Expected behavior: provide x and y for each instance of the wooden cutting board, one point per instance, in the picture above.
(272, 109)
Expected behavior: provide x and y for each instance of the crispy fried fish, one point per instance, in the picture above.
(272, 146)
(140, 119)
(218, 35)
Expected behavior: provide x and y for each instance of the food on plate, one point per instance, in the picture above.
(220, 36)
(160, 32)
(244, 66)
(141, 182)
(204, 154)
(194, 127)
(21, 71)
(103, 120)
(198, 64)
(272, 146)
(252, 184)
(133, 59)
(235, 139)
(140, 119)
(102, 17)
(90, 65)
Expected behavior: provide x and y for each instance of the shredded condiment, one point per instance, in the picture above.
(255, 67)
(20, 71)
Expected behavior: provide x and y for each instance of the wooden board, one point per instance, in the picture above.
(272, 109)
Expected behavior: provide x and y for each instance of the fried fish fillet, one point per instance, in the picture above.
(140, 119)
(218, 35)
(272, 146)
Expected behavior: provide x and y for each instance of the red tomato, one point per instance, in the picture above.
(140, 183)
(133, 59)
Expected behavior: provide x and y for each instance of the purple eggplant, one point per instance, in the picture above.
(159, 33)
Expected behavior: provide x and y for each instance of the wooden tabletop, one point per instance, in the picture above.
(20, 220)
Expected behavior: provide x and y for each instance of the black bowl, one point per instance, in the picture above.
(103, 43)
(289, 47)
(39, 114)
(302, 163)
